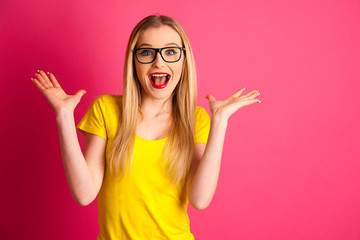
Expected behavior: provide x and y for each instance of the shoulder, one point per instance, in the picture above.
(200, 113)
(201, 117)
(108, 101)
(106, 105)
(202, 125)
(102, 116)
(108, 108)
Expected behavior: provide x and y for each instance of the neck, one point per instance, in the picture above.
(155, 106)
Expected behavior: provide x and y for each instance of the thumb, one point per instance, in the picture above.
(210, 98)
(80, 93)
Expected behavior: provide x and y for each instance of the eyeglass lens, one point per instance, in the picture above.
(147, 55)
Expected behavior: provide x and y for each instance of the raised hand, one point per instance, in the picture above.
(226, 108)
(59, 100)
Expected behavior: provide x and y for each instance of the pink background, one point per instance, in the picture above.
(290, 167)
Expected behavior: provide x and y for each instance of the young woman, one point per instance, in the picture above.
(151, 151)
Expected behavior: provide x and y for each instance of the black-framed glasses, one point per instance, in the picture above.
(168, 54)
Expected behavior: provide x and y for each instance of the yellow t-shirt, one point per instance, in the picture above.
(144, 204)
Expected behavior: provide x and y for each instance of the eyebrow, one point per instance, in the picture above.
(149, 45)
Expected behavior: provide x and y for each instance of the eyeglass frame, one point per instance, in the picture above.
(159, 50)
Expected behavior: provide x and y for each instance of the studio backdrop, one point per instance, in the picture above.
(290, 166)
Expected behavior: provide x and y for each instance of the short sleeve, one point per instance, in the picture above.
(202, 125)
(93, 121)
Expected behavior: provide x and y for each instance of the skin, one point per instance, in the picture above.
(155, 108)
(151, 38)
(85, 171)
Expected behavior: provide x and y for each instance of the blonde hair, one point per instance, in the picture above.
(179, 149)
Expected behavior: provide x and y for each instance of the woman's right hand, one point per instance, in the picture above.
(53, 92)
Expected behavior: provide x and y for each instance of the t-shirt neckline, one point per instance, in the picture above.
(148, 140)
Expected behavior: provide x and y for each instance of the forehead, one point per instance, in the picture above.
(158, 37)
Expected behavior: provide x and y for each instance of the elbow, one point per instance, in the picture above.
(198, 205)
(83, 201)
(200, 201)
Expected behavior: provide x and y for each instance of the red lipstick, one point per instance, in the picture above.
(157, 79)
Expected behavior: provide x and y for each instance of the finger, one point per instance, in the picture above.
(256, 100)
(38, 84)
(41, 80)
(252, 94)
(210, 98)
(53, 80)
(250, 101)
(238, 93)
(250, 97)
(46, 78)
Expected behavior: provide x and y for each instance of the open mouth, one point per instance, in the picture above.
(159, 80)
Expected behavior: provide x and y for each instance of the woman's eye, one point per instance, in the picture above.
(171, 52)
(145, 52)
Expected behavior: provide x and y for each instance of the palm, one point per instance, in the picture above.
(58, 98)
(233, 103)
(53, 92)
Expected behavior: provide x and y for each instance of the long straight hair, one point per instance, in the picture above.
(179, 148)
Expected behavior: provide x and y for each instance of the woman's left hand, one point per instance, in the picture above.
(224, 109)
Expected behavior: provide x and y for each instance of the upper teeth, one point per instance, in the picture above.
(159, 75)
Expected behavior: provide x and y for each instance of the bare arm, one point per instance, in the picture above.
(205, 171)
(84, 172)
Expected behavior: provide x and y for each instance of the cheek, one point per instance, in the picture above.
(178, 69)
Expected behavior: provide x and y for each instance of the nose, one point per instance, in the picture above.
(158, 62)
